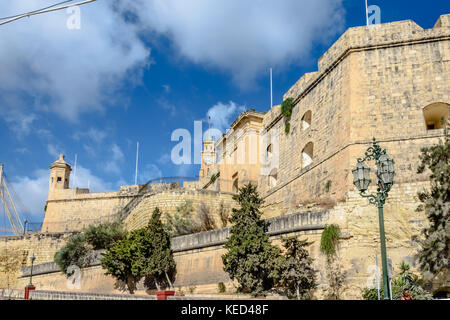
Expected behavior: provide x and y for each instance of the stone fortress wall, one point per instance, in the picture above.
(198, 256)
(389, 82)
(373, 82)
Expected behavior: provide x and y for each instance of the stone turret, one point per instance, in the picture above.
(59, 175)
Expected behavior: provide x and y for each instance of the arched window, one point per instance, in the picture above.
(269, 152)
(434, 113)
(307, 155)
(236, 185)
(306, 120)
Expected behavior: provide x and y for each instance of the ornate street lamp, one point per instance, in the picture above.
(385, 179)
(32, 258)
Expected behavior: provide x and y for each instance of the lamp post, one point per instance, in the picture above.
(30, 286)
(385, 179)
(32, 258)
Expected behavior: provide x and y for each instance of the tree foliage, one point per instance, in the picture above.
(250, 257)
(161, 264)
(433, 256)
(118, 261)
(103, 236)
(146, 252)
(295, 270)
(79, 249)
(405, 280)
(75, 252)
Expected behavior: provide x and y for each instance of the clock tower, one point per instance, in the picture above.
(209, 157)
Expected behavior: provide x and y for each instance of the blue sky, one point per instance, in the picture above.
(137, 70)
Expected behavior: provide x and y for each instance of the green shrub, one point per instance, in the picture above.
(404, 280)
(371, 293)
(294, 270)
(330, 239)
(328, 186)
(222, 288)
(75, 252)
(181, 223)
(287, 128)
(286, 111)
(103, 236)
(79, 249)
(329, 244)
(286, 108)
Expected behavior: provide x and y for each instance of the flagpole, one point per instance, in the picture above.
(271, 90)
(75, 182)
(367, 14)
(137, 159)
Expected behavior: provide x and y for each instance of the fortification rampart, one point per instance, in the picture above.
(169, 200)
(198, 256)
(373, 82)
(391, 82)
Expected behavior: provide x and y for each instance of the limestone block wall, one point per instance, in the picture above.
(359, 222)
(15, 252)
(198, 256)
(169, 200)
(198, 259)
(373, 82)
(74, 211)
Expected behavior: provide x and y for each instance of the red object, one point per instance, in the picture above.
(27, 291)
(162, 295)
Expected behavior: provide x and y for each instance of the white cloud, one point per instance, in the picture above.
(54, 151)
(113, 166)
(21, 124)
(85, 178)
(222, 115)
(36, 190)
(93, 134)
(117, 153)
(244, 37)
(49, 67)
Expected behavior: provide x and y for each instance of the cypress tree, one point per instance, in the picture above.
(433, 256)
(251, 257)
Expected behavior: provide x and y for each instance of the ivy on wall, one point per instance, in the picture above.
(286, 111)
(329, 245)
